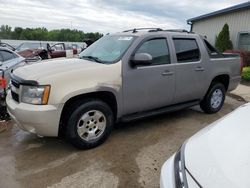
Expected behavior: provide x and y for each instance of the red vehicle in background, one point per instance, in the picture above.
(35, 51)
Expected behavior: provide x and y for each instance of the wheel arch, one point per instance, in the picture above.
(222, 78)
(105, 96)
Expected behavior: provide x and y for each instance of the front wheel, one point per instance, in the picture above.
(90, 124)
(214, 99)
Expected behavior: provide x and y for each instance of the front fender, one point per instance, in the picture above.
(89, 91)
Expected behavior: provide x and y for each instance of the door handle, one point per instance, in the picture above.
(199, 69)
(167, 73)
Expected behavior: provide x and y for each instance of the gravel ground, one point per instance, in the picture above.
(131, 157)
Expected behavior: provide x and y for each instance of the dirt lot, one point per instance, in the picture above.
(131, 157)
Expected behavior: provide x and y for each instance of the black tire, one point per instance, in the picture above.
(74, 119)
(206, 103)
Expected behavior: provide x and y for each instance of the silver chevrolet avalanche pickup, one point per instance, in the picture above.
(121, 77)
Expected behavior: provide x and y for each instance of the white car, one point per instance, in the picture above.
(216, 157)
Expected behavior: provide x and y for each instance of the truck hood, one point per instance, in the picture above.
(219, 155)
(52, 67)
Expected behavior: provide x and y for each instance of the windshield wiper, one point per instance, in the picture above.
(96, 59)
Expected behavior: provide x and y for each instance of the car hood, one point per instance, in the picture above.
(52, 67)
(219, 155)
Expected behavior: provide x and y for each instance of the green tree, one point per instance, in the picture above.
(16, 34)
(5, 32)
(223, 41)
(40, 33)
(27, 34)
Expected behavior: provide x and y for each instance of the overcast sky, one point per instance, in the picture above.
(106, 15)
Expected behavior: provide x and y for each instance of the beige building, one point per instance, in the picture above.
(238, 19)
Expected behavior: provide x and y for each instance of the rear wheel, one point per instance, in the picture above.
(214, 99)
(90, 124)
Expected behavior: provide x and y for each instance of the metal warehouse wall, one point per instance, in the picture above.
(238, 22)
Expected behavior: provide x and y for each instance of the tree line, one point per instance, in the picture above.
(42, 34)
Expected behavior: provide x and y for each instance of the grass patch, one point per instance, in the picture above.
(246, 74)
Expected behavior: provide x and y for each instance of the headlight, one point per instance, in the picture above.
(179, 168)
(35, 94)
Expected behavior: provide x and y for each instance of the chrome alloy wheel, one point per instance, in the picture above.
(216, 98)
(91, 125)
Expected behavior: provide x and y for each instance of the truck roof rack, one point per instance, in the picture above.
(135, 30)
(177, 30)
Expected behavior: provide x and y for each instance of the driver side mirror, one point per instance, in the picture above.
(141, 59)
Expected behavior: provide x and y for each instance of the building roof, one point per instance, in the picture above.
(242, 6)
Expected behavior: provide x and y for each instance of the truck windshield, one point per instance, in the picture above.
(108, 49)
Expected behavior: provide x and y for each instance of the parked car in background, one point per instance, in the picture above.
(59, 50)
(76, 48)
(36, 51)
(9, 61)
(33, 51)
(121, 77)
(217, 156)
(5, 45)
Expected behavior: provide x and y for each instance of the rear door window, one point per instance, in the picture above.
(187, 50)
(7, 55)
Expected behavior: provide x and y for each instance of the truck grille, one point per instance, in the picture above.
(14, 83)
(15, 90)
(15, 96)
